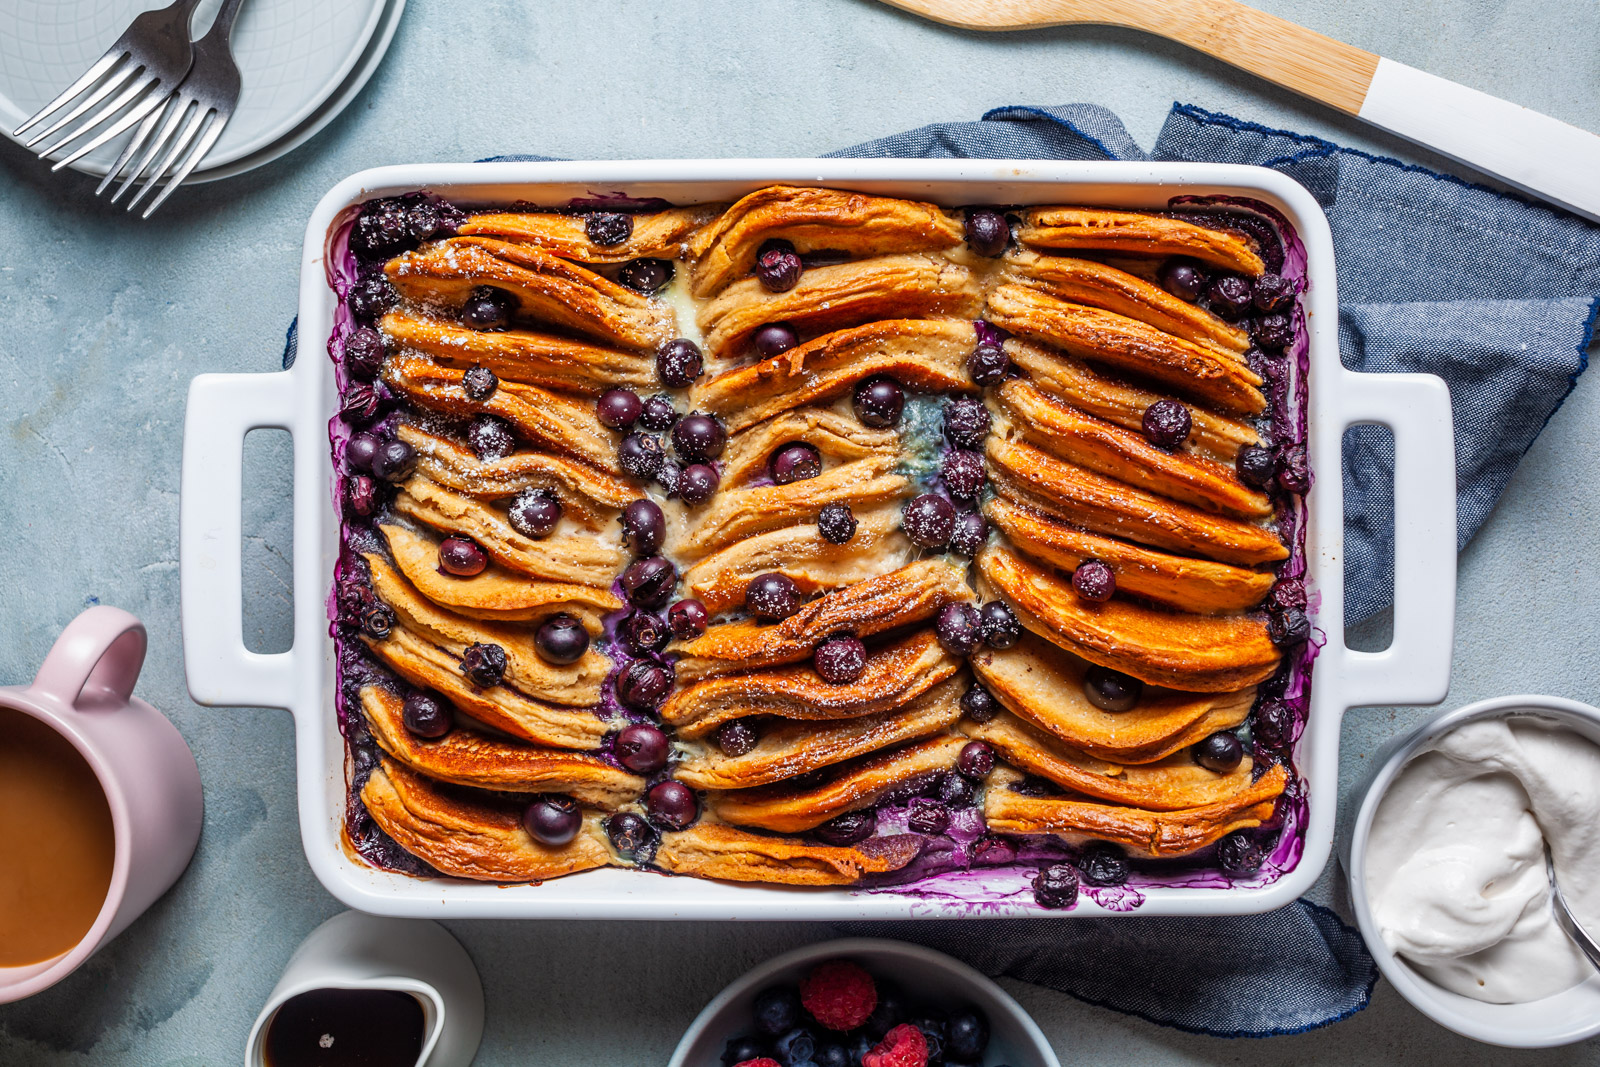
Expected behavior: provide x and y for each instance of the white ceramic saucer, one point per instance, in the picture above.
(294, 55)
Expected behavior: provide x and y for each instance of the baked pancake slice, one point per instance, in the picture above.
(894, 675)
(587, 494)
(1127, 456)
(1043, 685)
(810, 560)
(1080, 497)
(813, 220)
(546, 360)
(789, 808)
(546, 288)
(1069, 380)
(1180, 582)
(789, 749)
(845, 294)
(557, 422)
(836, 437)
(1145, 834)
(1203, 653)
(909, 595)
(660, 234)
(927, 355)
(708, 850)
(572, 560)
(471, 758)
(1100, 230)
(1208, 374)
(471, 837)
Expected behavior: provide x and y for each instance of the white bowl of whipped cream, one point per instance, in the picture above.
(1445, 858)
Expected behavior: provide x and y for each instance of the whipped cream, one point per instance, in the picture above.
(1455, 858)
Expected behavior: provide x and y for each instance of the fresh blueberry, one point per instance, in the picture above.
(979, 705)
(794, 463)
(698, 438)
(1167, 424)
(740, 1049)
(629, 833)
(1288, 628)
(642, 633)
(933, 1033)
(736, 738)
(976, 759)
(1184, 279)
(698, 483)
(928, 520)
(966, 422)
(795, 1047)
(461, 557)
(488, 308)
(364, 352)
(836, 523)
(959, 627)
(561, 639)
(1103, 863)
(1273, 331)
(644, 527)
(479, 383)
(640, 456)
(1111, 690)
(988, 364)
(648, 582)
(648, 276)
(777, 1010)
(1256, 466)
(534, 512)
(679, 363)
(879, 402)
(608, 228)
(840, 659)
(1230, 295)
(848, 828)
(658, 413)
(642, 685)
(971, 530)
(361, 451)
(928, 816)
(963, 473)
(957, 791)
(892, 1010)
(1239, 855)
(426, 714)
(490, 438)
(394, 461)
(484, 664)
(1094, 580)
(688, 619)
(1220, 752)
(778, 266)
(1272, 292)
(772, 597)
(774, 339)
(642, 748)
(1056, 886)
(987, 232)
(552, 820)
(832, 1056)
(618, 409)
(966, 1035)
(1001, 629)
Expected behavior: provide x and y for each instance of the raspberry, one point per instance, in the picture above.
(764, 1061)
(839, 995)
(904, 1046)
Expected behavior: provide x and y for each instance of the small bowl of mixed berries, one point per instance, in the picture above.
(863, 1002)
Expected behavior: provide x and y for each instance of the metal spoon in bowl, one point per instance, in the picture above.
(1564, 918)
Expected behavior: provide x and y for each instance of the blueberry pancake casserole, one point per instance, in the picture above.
(823, 539)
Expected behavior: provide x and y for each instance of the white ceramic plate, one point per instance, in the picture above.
(293, 54)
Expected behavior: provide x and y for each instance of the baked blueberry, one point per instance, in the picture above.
(1167, 424)
(479, 383)
(647, 275)
(552, 820)
(488, 308)
(698, 483)
(394, 461)
(735, 738)
(979, 705)
(772, 597)
(774, 339)
(688, 619)
(836, 523)
(377, 621)
(976, 759)
(879, 402)
(794, 463)
(1272, 725)
(629, 834)
(971, 530)
(840, 659)
(1094, 580)
(1111, 690)
(1056, 886)
(1273, 331)
(490, 438)
(962, 471)
(1256, 466)
(648, 582)
(642, 685)
(608, 228)
(461, 557)
(561, 639)
(778, 266)
(1230, 295)
(1184, 279)
(534, 512)
(1220, 752)
(672, 805)
(382, 230)
(640, 456)
(698, 438)
(956, 791)
(484, 664)
(362, 492)
(644, 527)
(670, 477)
(364, 352)
(361, 451)
(1289, 627)
(424, 219)
(928, 520)
(678, 364)
(848, 828)
(426, 715)
(1102, 863)
(619, 409)
(1001, 629)
(1239, 855)
(987, 232)
(1294, 469)
(642, 748)
(642, 633)
(1272, 292)
(1287, 593)
(966, 422)
(371, 297)
(959, 628)
(657, 413)
(988, 364)
(928, 816)
(992, 850)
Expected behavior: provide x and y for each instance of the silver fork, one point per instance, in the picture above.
(201, 105)
(144, 65)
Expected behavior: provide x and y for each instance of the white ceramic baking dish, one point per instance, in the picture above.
(223, 408)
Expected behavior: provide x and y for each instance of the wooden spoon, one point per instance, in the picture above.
(1521, 147)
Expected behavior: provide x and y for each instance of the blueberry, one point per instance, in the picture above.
(1167, 424)
(382, 230)
(1288, 628)
(618, 409)
(1111, 690)
(832, 1056)
(1256, 466)
(679, 363)
(959, 628)
(879, 402)
(688, 619)
(642, 748)
(928, 816)
(427, 714)
(957, 791)
(1272, 725)
(364, 352)
(644, 527)
(966, 422)
(378, 621)
(1239, 855)
(394, 461)
(987, 232)
(424, 219)
(361, 451)
(736, 738)
(648, 276)
(490, 438)
(966, 1035)
(629, 833)
(777, 1010)
(933, 1033)
(1294, 469)
(836, 523)
(928, 520)
(1273, 331)
(778, 266)
(648, 582)
(1287, 593)
(860, 1045)
(1001, 629)
(1273, 291)
(670, 477)
(640, 456)
(370, 298)
(840, 659)
(642, 685)
(534, 512)
(772, 597)
(658, 413)
(1056, 886)
(1094, 580)
(484, 664)
(740, 1049)
(963, 473)
(1221, 752)
(698, 438)
(795, 1047)
(363, 495)
(848, 828)
(561, 639)
(1230, 295)
(488, 308)
(461, 557)
(479, 383)
(976, 759)
(698, 483)
(361, 402)
(890, 1012)
(794, 463)
(988, 364)
(642, 633)
(971, 530)
(1184, 279)
(991, 850)
(774, 339)
(608, 228)
(979, 705)
(1103, 863)
(552, 820)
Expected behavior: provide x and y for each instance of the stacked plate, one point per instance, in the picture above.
(302, 62)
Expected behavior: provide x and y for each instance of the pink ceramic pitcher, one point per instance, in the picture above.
(84, 691)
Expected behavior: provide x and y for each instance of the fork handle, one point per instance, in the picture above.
(222, 25)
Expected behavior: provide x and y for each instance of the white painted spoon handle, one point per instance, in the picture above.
(1534, 152)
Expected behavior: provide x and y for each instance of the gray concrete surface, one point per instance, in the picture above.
(103, 320)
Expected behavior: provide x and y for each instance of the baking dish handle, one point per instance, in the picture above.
(1415, 668)
(222, 409)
